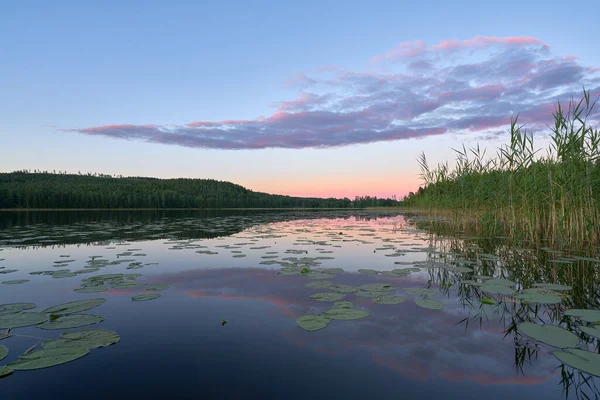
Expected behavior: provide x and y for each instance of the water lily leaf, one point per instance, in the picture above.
(538, 295)
(19, 320)
(500, 281)
(157, 287)
(549, 334)
(403, 271)
(389, 299)
(582, 360)
(289, 271)
(585, 315)
(318, 284)
(5, 371)
(91, 289)
(334, 271)
(471, 283)
(312, 322)
(553, 286)
(343, 288)
(72, 321)
(430, 304)
(368, 271)
(377, 287)
(60, 275)
(15, 282)
(346, 314)
(75, 306)
(488, 301)
(594, 332)
(420, 291)
(8, 271)
(327, 296)
(343, 304)
(87, 338)
(319, 275)
(3, 352)
(13, 308)
(496, 289)
(48, 358)
(145, 297)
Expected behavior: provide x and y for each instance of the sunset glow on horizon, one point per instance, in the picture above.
(252, 96)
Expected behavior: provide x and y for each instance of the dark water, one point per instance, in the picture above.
(176, 347)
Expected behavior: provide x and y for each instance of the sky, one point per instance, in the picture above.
(312, 98)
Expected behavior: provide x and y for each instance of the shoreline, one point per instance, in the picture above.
(194, 209)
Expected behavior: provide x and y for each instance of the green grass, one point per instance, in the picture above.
(553, 197)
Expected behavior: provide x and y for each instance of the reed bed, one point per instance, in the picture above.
(551, 198)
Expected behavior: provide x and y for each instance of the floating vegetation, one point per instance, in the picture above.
(420, 291)
(585, 361)
(145, 297)
(584, 315)
(346, 314)
(15, 308)
(88, 339)
(549, 334)
(157, 287)
(48, 358)
(75, 306)
(327, 296)
(343, 304)
(318, 284)
(71, 321)
(15, 282)
(18, 320)
(312, 322)
(5, 371)
(430, 304)
(538, 295)
(3, 352)
(389, 299)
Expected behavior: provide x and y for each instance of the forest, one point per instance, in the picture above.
(42, 189)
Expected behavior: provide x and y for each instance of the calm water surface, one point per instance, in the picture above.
(176, 347)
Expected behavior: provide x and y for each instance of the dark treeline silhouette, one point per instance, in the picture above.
(40, 189)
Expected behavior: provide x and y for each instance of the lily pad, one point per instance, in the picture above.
(585, 315)
(19, 320)
(327, 296)
(549, 334)
(5, 371)
(538, 295)
(72, 321)
(15, 282)
(496, 289)
(553, 286)
(3, 352)
(368, 271)
(75, 306)
(343, 288)
(87, 338)
(377, 287)
(420, 291)
(594, 332)
(157, 287)
(13, 308)
(582, 360)
(48, 358)
(430, 304)
(318, 284)
(92, 289)
(346, 314)
(312, 322)
(500, 281)
(389, 299)
(343, 304)
(145, 297)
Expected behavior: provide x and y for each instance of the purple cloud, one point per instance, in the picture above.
(425, 95)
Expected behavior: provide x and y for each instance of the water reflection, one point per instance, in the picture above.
(399, 350)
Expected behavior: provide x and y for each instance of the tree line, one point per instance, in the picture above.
(42, 189)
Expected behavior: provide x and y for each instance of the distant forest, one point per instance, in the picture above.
(40, 189)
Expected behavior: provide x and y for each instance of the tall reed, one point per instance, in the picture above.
(518, 193)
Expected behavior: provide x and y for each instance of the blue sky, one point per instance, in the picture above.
(324, 98)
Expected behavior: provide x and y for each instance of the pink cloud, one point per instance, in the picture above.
(357, 107)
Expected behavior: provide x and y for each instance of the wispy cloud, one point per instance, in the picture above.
(431, 91)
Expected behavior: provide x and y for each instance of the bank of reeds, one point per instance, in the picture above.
(519, 193)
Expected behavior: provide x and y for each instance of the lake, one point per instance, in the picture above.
(413, 315)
